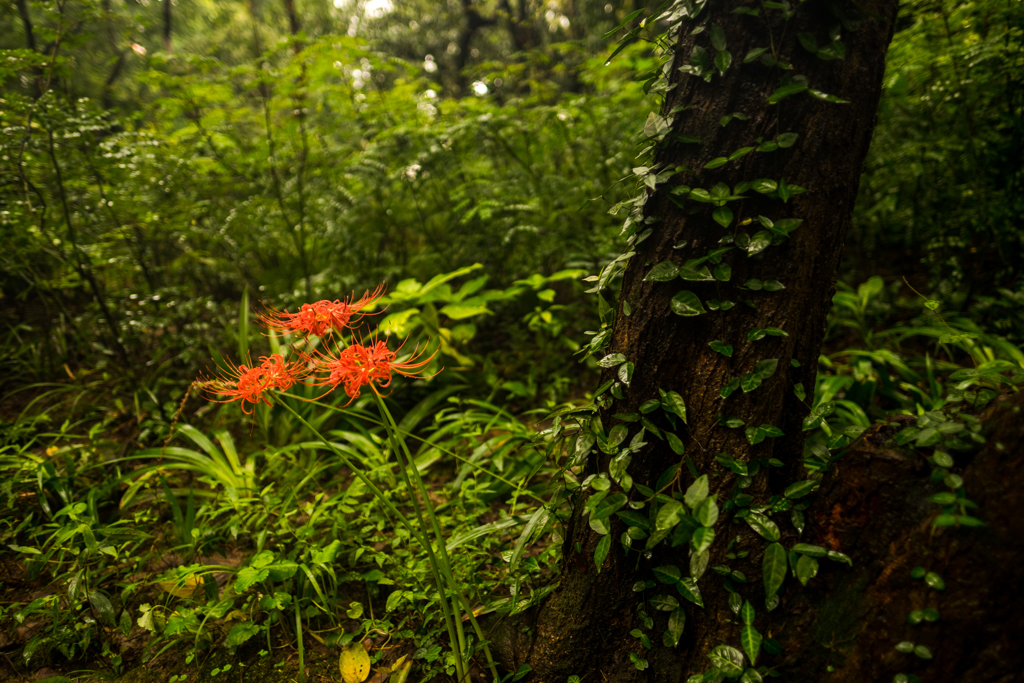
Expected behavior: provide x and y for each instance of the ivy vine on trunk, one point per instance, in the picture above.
(681, 535)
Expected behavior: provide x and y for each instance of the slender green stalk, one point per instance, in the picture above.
(445, 560)
(423, 540)
(298, 633)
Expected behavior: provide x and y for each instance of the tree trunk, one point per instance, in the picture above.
(589, 625)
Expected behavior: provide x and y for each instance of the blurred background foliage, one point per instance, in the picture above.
(166, 166)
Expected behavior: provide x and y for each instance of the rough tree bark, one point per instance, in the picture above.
(584, 627)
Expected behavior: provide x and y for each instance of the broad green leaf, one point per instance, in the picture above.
(716, 162)
(768, 529)
(774, 569)
(935, 581)
(688, 589)
(723, 272)
(723, 60)
(676, 624)
(749, 382)
(463, 311)
(747, 613)
(611, 360)
(811, 550)
(686, 303)
(662, 272)
(806, 569)
(718, 40)
(699, 564)
(601, 551)
(675, 443)
(728, 660)
(751, 676)
(668, 573)
(702, 539)
(751, 641)
(707, 512)
(240, 633)
(787, 139)
(673, 403)
(785, 91)
(764, 185)
(722, 216)
(724, 349)
(697, 492)
(801, 488)
(669, 515)
(766, 368)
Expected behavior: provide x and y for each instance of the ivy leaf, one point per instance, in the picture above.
(611, 360)
(601, 552)
(786, 225)
(668, 574)
(768, 529)
(717, 37)
(749, 382)
(751, 641)
(787, 139)
(723, 272)
(688, 589)
(774, 569)
(723, 60)
(686, 303)
(747, 614)
(731, 386)
(801, 488)
(764, 186)
(673, 403)
(766, 368)
(754, 54)
(664, 271)
(785, 91)
(806, 569)
(755, 435)
(721, 348)
(697, 492)
(722, 216)
(773, 285)
(668, 515)
(702, 539)
(707, 512)
(728, 660)
(695, 273)
(761, 240)
(676, 624)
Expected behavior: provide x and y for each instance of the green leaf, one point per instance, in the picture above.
(716, 162)
(806, 569)
(754, 54)
(751, 641)
(808, 40)
(707, 512)
(688, 589)
(722, 216)
(673, 403)
(699, 564)
(751, 676)
(764, 185)
(721, 348)
(601, 552)
(787, 139)
(723, 60)
(717, 37)
(922, 652)
(773, 285)
(686, 303)
(767, 529)
(728, 660)
(801, 488)
(676, 624)
(774, 569)
(811, 550)
(249, 576)
(747, 613)
(697, 492)
(675, 443)
(668, 574)
(702, 539)
(730, 386)
(749, 382)
(935, 581)
(723, 272)
(761, 240)
(785, 91)
(664, 603)
(240, 633)
(662, 272)
(766, 368)
(695, 272)
(611, 360)
(669, 515)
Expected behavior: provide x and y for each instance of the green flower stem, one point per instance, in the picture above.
(442, 549)
(404, 434)
(423, 540)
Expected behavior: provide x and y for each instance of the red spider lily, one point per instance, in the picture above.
(247, 383)
(321, 318)
(356, 366)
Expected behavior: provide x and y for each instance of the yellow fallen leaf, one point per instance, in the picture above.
(181, 587)
(402, 671)
(354, 664)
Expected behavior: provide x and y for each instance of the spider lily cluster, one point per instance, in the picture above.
(350, 364)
